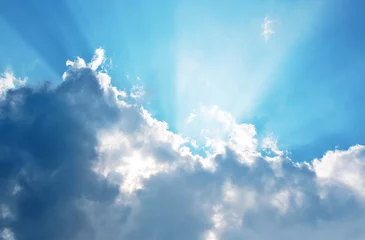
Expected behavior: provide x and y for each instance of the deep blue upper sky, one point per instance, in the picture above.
(304, 85)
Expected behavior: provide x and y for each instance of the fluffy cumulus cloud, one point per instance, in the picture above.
(84, 160)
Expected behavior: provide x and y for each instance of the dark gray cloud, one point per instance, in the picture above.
(47, 150)
(170, 208)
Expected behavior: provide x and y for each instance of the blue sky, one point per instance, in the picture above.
(303, 85)
(247, 114)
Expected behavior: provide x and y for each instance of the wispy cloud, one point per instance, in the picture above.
(98, 59)
(191, 118)
(267, 29)
(137, 92)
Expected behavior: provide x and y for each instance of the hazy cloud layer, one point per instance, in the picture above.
(85, 161)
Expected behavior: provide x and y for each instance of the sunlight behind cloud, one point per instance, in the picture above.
(188, 133)
(223, 62)
(140, 172)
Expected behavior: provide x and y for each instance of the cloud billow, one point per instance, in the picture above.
(85, 161)
(48, 140)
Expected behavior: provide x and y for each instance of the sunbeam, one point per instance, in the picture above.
(182, 119)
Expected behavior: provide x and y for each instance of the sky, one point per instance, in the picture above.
(182, 119)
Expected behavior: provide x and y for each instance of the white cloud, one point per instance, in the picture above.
(137, 92)
(78, 63)
(190, 118)
(9, 81)
(136, 168)
(221, 131)
(267, 29)
(264, 193)
(98, 59)
(344, 168)
(234, 188)
(6, 234)
(267, 191)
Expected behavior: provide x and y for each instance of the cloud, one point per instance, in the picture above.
(80, 161)
(334, 169)
(9, 81)
(47, 145)
(137, 92)
(267, 30)
(98, 59)
(190, 118)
